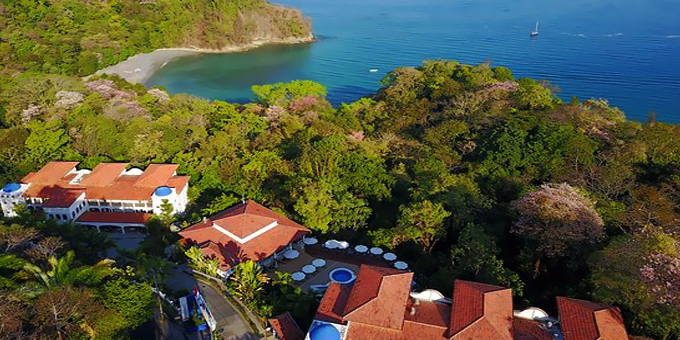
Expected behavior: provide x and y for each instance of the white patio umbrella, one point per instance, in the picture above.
(343, 245)
(361, 248)
(308, 269)
(319, 262)
(389, 256)
(331, 244)
(400, 265)
(291, 254)
(376, 251)
(310, 241)
(298, 276)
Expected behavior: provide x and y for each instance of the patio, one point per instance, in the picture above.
(334, 258)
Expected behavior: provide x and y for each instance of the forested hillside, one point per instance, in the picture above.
(78, 37)
(464, 170)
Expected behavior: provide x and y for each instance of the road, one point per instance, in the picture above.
(230, 326)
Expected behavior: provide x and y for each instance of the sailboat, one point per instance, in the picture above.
(534, 32)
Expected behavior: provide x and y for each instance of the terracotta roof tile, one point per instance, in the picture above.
(427, 312)
(122, 188)
(245, 219)
(105, 182)
(360, 331)
(286, 328)
(156, 175)
(257, 248)
(51, 173)
(57, 197)
(178, 182)
(379, 297)
(333, 303)
(103, 174)
(413, 330)
(480, 310)
(113, 217)
(524, 329)
(585, 320)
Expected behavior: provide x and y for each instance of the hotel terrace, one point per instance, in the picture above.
(108, 195)
(379, 304)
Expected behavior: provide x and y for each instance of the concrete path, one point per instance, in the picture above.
(230, 325)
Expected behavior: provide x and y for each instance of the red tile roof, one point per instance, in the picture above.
(379, 297)
(105, 182)
(524, 329)
(481, 310)
(286, 328)
(113, 217)
(333, 303)
(256, 217)
(103, 174)
(156, 175)
(585, 320)
(57, 197)
(429, 313)
(50, 174)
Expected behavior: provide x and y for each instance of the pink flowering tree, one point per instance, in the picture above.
(555, 219)
(641, 273)
(661, 275)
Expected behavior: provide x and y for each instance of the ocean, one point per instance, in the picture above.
(625, 51)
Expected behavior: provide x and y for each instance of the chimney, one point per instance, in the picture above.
(205, 219)
(413, 311)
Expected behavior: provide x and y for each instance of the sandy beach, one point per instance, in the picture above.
(138, 68)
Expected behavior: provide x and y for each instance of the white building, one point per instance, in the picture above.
(108, 195)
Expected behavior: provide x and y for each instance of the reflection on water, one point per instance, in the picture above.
(625, 51)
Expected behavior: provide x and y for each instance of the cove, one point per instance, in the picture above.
(625, 51)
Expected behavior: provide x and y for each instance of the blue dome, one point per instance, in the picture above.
(163, 191)
(324, 332)
(11, 187)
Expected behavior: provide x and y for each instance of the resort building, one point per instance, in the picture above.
(246, 231)
(108, 195)
(379, 304)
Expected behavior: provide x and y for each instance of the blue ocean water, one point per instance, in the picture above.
(627, 51)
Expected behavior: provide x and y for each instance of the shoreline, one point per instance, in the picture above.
(140, 67)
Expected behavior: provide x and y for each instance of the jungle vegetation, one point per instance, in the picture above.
(463, 170)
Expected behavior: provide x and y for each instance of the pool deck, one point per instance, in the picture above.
(320, 276)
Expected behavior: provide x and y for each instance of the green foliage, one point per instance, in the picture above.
(248, 283)
(477, 255)
(423, 223)
(133, 301)
(452, 145)
(60, 272)
(282, 94)
(618, 273)
(80, 37)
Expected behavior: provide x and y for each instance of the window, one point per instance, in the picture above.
(64, 216)
(58, 217)
(73, 215)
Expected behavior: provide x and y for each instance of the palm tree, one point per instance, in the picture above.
(145, 264)
(88, 243)
(61, 273)
(212, 265)
(195, 256)
(248, 281)
(9, 264)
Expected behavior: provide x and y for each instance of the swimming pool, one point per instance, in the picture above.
(342, 275)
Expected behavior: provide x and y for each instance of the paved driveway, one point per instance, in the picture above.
(230, 326)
